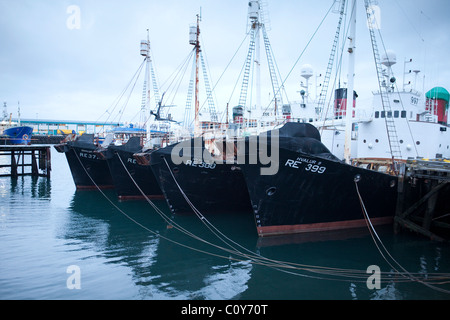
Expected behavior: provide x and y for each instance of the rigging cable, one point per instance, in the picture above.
(117, 100)
(181, 70)
(304, 49)
(220, 78)
(226, 68)
(375, 21)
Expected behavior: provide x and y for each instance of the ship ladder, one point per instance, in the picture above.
(389, 119)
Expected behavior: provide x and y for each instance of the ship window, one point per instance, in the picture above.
(418, 142)
(396, 113)
(376, 140)
(403, 114)
(377, 114)
(389, 114)
(401, 141)
(383, 114)
(271, 191)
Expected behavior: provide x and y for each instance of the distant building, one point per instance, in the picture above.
(55, 127)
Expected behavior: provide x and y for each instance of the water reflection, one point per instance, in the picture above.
(122, 260)
(160, 269)
(389, 292)
(35, 187)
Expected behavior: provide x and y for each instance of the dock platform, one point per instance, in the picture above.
(34, 160)
(423, 194)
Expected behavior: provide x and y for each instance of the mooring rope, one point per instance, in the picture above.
(278, 262)
(144, 227)
(159, 211)
(375, 237)
(255, 259)
(258, 259)
(334, 274)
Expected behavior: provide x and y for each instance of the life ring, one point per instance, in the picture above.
(25, 137)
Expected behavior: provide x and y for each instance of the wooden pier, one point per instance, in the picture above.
(423, 194)
(34, 160)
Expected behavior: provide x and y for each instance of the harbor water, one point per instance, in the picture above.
(59, 243)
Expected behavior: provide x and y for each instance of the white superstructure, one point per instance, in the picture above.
(420, 134)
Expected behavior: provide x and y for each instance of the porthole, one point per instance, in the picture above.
(271, 191)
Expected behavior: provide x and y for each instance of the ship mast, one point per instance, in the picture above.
(256, 25)
(351, 76)
(253, 55)
(196, 43)
(252, 66)
(145, 52)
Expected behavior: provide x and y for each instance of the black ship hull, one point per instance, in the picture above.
(209, 187)
(312, 192)
(88, 170)
(122, 165)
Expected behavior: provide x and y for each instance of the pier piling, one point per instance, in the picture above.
(35, 157)
(422, 204)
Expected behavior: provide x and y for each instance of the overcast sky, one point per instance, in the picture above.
(59, 67)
